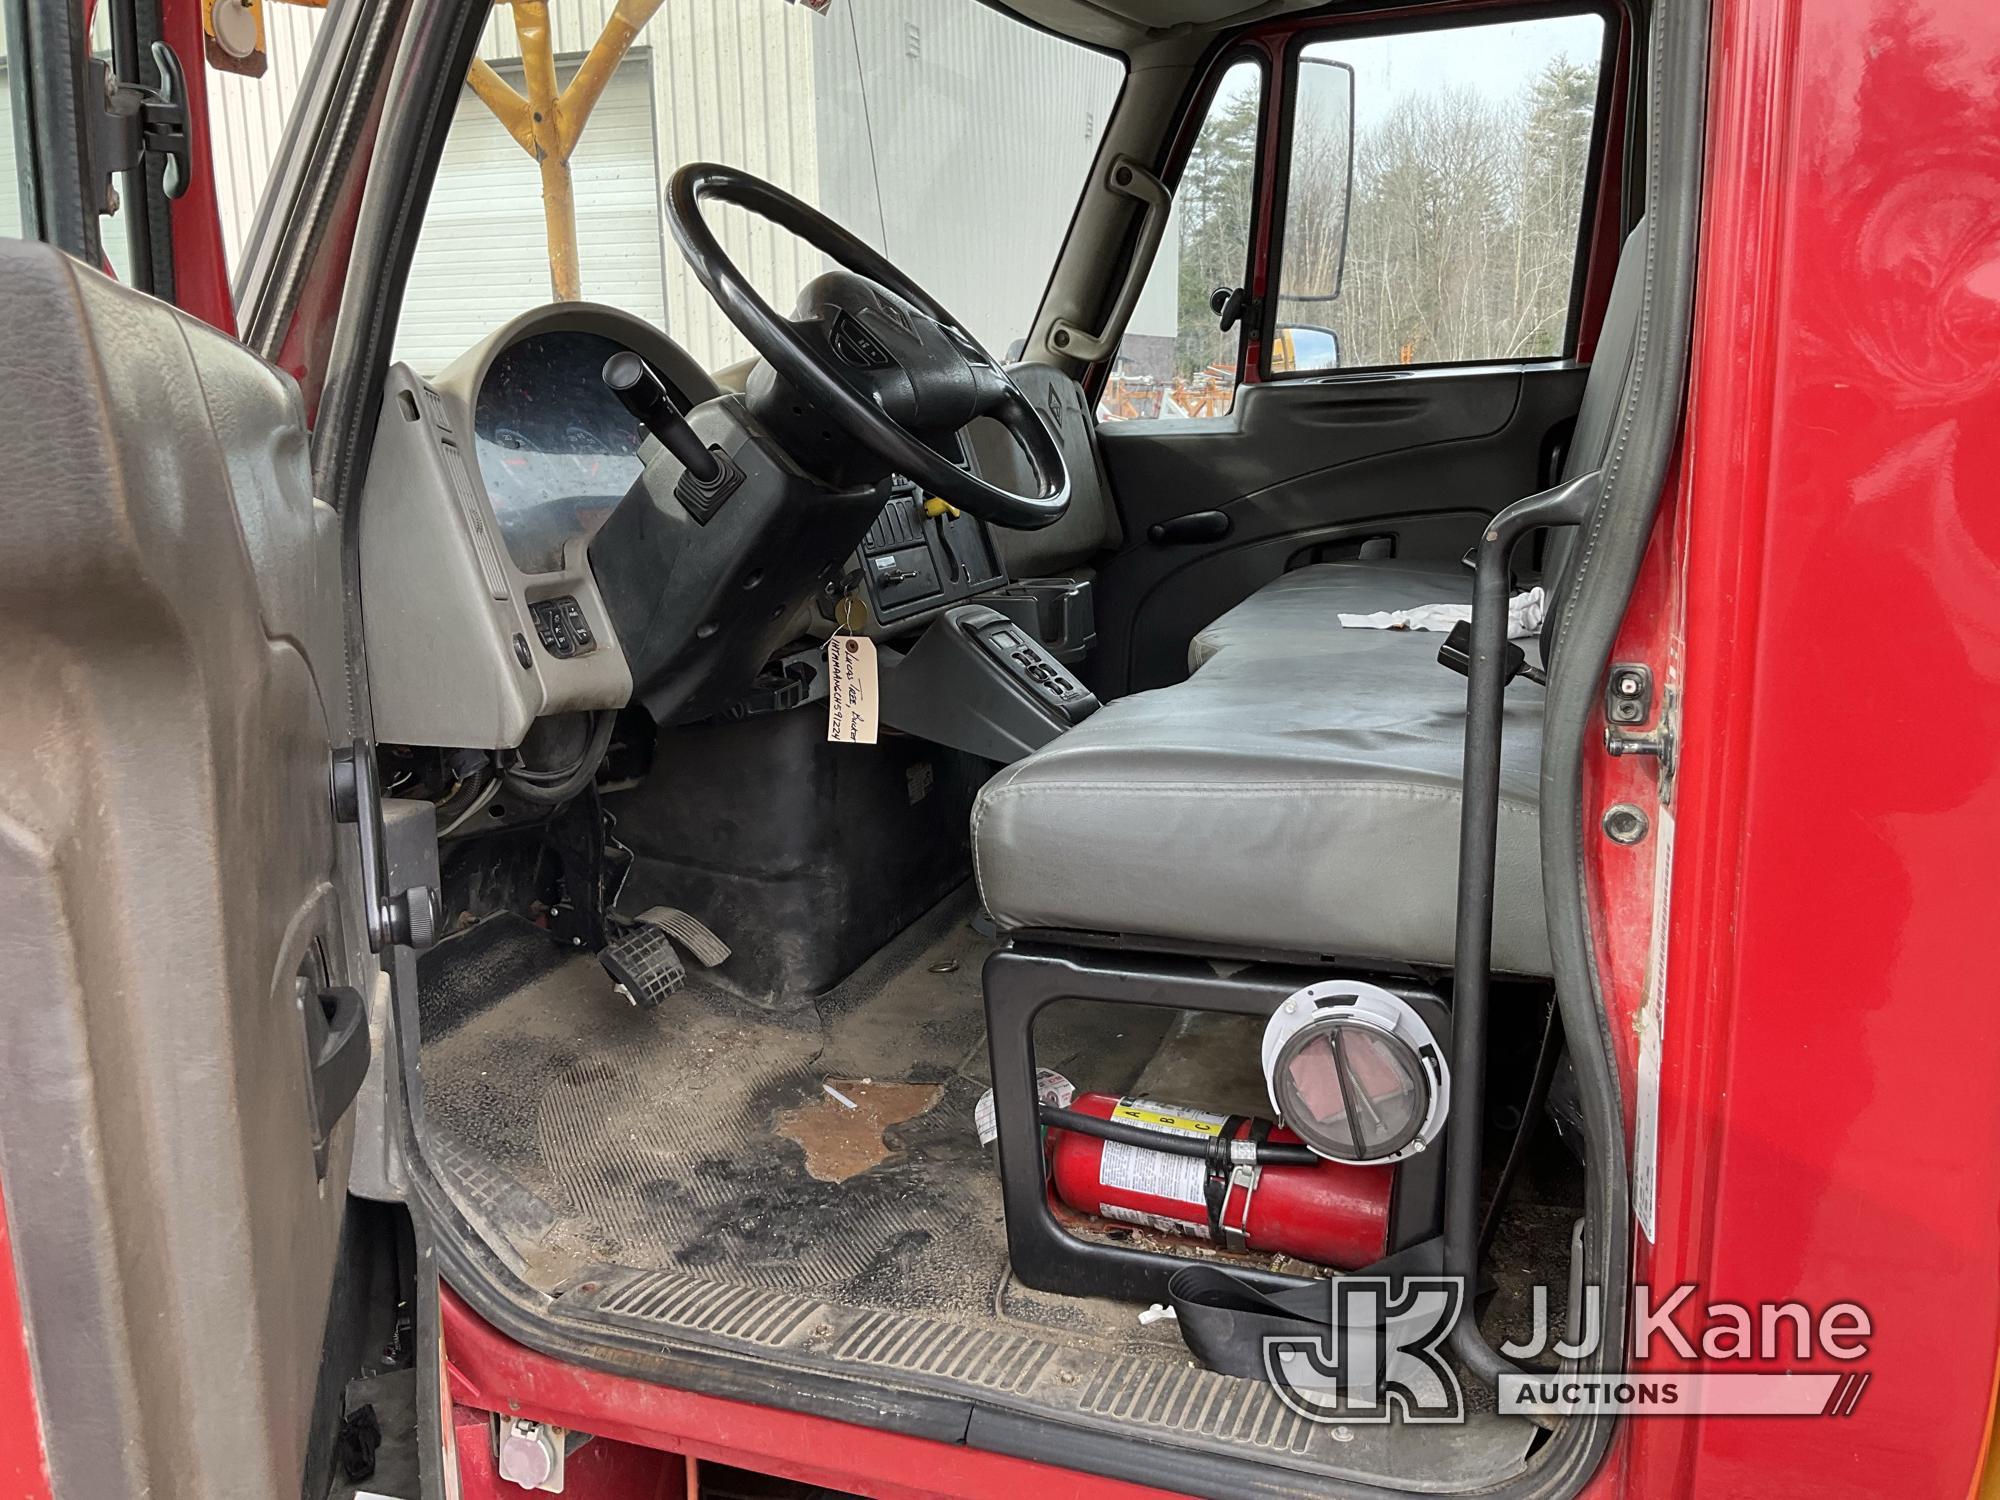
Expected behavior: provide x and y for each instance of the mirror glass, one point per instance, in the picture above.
(1319, 186)
(1304, 347)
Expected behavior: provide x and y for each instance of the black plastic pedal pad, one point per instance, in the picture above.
(643, 962)
(708, 949)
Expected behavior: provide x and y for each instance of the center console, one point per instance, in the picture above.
(978, 680)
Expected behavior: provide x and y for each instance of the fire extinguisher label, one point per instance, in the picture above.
(1171, 1118)
(1133, 1169)
(1160, 1222)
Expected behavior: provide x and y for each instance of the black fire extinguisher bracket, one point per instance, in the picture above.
(1025, 976)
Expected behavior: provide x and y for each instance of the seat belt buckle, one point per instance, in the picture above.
(1456, 653)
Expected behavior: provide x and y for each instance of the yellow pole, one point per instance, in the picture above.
(548, 123)
(627, 19)
(538, 71)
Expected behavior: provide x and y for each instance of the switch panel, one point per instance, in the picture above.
(1025, 660)
(561, 627)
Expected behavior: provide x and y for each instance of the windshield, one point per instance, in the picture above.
(950, 136)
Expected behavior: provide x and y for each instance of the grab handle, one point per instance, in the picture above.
(1131, 180)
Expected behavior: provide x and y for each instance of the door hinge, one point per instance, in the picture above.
(130, 122)
(1628, 702)
(409, 917)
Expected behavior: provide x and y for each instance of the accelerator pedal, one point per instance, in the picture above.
(708, 949)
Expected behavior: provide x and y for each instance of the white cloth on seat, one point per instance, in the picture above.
(1525, 613)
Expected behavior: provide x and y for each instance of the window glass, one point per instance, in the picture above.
(1471, 149)
(949, 136)
(247, 118)
(1174, 360)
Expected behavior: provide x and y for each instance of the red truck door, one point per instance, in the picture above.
(189, 983)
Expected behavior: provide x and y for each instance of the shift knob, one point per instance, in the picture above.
(645, 395)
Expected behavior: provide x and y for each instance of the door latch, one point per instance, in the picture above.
(408, 917)
(132, 122)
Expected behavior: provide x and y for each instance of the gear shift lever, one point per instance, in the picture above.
(710, 477)
(644, 395)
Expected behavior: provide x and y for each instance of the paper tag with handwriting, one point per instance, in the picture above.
(851, 701)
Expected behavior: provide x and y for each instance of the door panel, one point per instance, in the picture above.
(1410, 464)
(169, 869)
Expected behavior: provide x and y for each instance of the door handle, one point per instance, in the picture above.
(336, 1033)
(1200, 526)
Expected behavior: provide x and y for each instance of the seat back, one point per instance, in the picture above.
(1090, 525)
(1597, 417)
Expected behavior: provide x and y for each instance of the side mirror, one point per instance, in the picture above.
(1320, 186)
(1305, 348)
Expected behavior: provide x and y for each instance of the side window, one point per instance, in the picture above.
(1175, 359)
(1442, 224)
(249, 105)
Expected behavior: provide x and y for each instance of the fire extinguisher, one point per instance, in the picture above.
(1332, 1213)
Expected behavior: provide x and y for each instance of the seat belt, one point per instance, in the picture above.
(1225, 1318)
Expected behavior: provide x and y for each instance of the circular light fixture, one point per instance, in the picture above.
(1353, 1070)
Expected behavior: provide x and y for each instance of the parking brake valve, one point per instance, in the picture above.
(709, 476)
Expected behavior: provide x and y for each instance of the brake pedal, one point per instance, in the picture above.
(643, 963)
(708, 949)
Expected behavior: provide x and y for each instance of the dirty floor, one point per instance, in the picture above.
(828, 1149)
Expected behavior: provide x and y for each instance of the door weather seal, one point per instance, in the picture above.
(1607, 555)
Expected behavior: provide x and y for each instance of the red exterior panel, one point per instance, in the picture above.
(1828, 1119)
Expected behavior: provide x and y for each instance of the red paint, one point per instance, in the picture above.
(201, 267)
(1332, 1213)
(1828, 1119)
(492, 1373)
(1828, 1116)
(24, 1463)
(308, 342)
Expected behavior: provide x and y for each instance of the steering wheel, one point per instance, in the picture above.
(872, 351)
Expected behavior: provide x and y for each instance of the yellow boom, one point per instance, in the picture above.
(549, 122)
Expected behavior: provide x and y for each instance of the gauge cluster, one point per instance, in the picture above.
(556, 449)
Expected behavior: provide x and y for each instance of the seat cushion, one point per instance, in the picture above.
(1299, 611)
(1299, 792)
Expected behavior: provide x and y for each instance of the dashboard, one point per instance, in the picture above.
(489, 484)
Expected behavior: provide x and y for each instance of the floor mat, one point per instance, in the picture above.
(713, 1136)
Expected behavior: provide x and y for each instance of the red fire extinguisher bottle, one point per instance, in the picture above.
(1331, 1213)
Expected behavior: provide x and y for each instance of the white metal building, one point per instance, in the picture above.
(881, 111)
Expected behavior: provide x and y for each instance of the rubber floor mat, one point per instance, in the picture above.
(709, 1135)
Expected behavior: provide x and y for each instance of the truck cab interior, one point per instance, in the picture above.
(819, 808)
